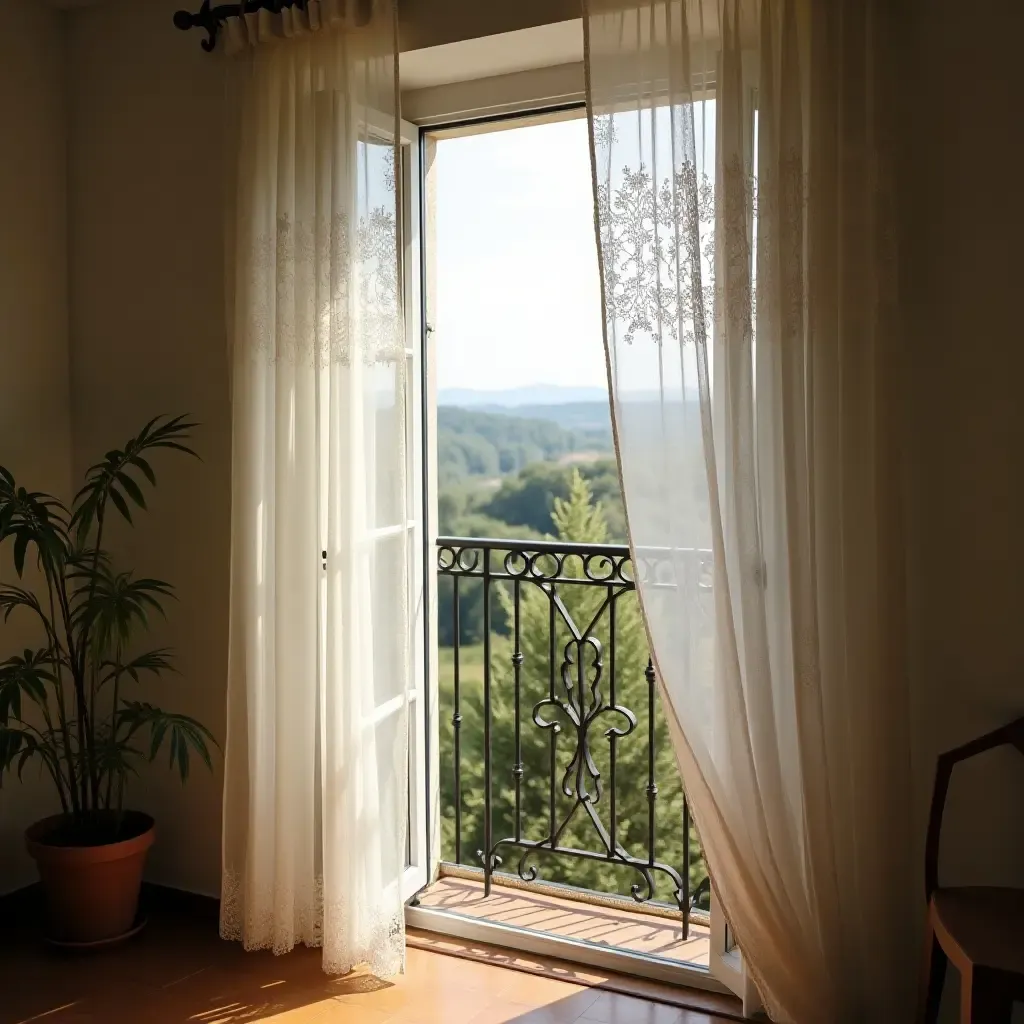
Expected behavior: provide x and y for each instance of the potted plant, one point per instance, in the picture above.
(65, 706)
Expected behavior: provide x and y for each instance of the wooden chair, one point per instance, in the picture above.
(979, 928)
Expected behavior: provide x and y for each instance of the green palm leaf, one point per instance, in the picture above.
(183, 734)
(112, 477)
(155, 661)
(24, 675)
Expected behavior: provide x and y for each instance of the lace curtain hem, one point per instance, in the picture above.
(257, 927)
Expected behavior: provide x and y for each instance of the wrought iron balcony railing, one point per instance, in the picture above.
(558, 751)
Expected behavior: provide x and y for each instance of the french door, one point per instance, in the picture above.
(418, 869)
(396, 532)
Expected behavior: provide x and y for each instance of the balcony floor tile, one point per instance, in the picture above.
(543, 911)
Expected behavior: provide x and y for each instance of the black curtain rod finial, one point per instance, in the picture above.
(205, 18)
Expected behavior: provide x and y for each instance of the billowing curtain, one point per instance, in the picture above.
(315, 790)
(744, 208)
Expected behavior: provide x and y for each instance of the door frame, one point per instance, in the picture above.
(429, 918)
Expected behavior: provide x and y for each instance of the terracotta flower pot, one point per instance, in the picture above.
(92, 891)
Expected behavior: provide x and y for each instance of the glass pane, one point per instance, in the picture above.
(390, 618)
(391, 755)
(388, 446)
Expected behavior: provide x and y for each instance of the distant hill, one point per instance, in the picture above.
(592, 418)
(536, 394)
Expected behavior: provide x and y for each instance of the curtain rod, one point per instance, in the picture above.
(211, 18)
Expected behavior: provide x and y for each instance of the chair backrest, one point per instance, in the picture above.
(1012, 735)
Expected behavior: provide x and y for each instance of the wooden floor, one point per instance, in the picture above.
(543, 911)
(179, 972)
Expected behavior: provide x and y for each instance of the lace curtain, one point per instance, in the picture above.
(743, 198)
(315, 788)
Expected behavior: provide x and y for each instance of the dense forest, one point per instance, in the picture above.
(526, 477)
(485, 443)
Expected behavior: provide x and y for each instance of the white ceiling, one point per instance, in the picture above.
(540, 47)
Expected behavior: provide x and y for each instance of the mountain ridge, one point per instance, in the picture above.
(534, 394)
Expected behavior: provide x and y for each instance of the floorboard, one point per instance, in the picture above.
(178, 971)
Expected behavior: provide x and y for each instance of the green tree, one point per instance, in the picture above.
(576, 517)
(528, 499)
(462, 455)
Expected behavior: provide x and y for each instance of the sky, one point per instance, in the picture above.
(518, 297)
(518, 293)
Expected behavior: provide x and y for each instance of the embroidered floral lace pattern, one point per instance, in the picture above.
(660, 242)
(317, 295)
(604, 131)
(287, 919)
(658, 273)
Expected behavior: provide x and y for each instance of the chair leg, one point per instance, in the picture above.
(984, 999)
(934, 979)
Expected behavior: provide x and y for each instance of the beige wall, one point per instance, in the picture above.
(962, 258)
(147, 332)
(35, 437)
(425, 23)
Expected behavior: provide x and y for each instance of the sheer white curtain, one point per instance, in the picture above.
(315, 788)
(744, 209)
